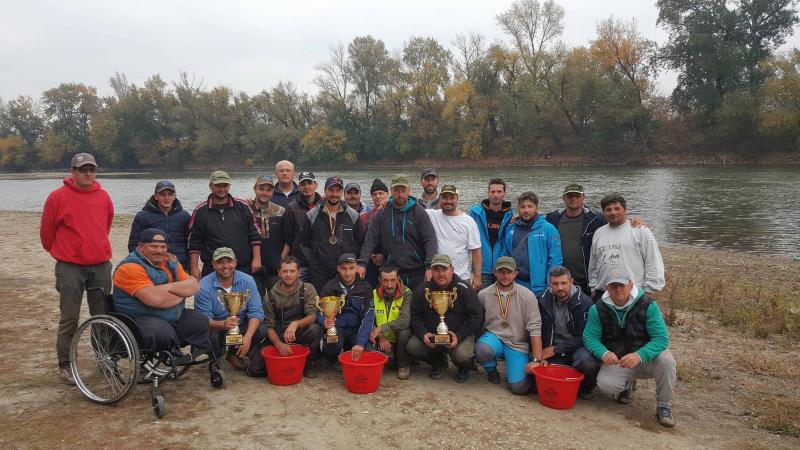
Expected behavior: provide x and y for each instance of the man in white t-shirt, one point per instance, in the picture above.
(457, 236)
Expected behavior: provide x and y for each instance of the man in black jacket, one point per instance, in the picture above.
(564, 309)
(329, 230)
(276, 233)
(305, 201)
(405, 233)
(164, 211)
(463, 321)
(223, 221)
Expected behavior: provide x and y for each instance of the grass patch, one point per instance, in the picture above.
(778, 414)
(760, 363)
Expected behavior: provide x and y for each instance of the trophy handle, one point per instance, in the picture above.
(221, 297)
(342, 301)
(246, 296)
(453, 297)
(316, 303)
(428, 297)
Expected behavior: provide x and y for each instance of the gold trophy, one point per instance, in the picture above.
(330, 306)
(441, 301)
(233, 302)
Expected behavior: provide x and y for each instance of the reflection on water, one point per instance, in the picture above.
(739, 208)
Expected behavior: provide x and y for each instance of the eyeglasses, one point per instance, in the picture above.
(86, 169)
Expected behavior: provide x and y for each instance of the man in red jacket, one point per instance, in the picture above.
(75, 224)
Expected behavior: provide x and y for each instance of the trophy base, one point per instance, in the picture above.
(234, 339)
(441, 339)
(331, 339)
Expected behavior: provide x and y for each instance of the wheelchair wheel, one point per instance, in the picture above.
(104, 359)
(217, 379)
(159, 406)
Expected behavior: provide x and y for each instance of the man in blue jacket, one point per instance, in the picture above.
(492, 216)
(356, 319)
(164, 211)
(564, 309)
(533, 243)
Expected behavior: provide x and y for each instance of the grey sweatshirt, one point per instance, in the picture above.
(523, 317)
(627, 249)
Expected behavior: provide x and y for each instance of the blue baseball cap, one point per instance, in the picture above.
(333, 181)
(164, 185)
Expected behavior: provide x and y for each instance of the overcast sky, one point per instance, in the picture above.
(246, 45)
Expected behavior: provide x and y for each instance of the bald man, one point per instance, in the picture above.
(286, 190)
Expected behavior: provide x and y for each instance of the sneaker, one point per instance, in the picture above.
(624, 397)
(237, 362)
(66, 375)
(437, 372)
(664, 413)
(463, 375)
(493, 376)
(403, 372)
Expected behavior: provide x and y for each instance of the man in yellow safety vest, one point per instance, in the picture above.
(392, 318)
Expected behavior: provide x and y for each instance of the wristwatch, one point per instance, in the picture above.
(535, 359)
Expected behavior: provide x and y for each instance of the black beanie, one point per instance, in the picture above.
(378, 185)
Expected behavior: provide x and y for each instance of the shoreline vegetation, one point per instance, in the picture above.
(733, 321)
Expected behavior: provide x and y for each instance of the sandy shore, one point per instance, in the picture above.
(716, 404)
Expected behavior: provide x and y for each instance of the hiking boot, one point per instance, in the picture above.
(403, 372)
(437, 372)
(664, 413)
(463, 375)
(66, 375)
(585, 395)
(237, 362)
(493, 376)
(624, 397)
(310, 370)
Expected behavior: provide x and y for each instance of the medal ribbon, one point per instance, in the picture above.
(331, 221)
(503, 311)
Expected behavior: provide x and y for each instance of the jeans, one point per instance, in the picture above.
(190, 329)
(71, 282)
(461, 355)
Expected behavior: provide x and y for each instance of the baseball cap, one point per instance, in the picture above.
(352, 185)
(306, 176)
(82, 159)
(618, 276)
(448, 189)
(400, 180)
(346, 258)
(429, 171)
(506, 262)
(164, 185)
(441, 260)
(223, 252)
(573, 188)
(149, 235)
(265, 179)
(220, 177)
(333, 181)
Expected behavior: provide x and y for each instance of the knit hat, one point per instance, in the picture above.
(378, 185)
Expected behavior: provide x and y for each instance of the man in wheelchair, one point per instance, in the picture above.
(210, 301)
(150, 286)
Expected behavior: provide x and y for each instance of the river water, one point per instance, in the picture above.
(748, 209)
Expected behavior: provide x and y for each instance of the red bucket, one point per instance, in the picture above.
(285, 370)
(557, 385)
(363, 376)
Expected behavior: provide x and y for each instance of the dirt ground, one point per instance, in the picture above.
(723, 383)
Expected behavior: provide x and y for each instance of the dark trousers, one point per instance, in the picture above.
(399, 353)
(487, 279)
(265, 281)
(584, 286)
(320, 277)
(412, 280)
(256, 366)
(308, 336)
(71, 282)
(372, 274)
(582, 361)
(347, 339)
(158, 334)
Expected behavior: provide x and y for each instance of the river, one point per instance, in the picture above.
(749, 209)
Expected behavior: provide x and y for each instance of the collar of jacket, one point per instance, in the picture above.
(211, 203)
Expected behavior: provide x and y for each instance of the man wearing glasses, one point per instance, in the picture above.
(75, 225)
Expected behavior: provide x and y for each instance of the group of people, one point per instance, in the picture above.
(572, 287)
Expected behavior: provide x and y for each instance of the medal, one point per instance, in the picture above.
(332, 240)
(503, 310)
(504, 324)
(332, 223)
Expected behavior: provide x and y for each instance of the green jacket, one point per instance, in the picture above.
(656, 328)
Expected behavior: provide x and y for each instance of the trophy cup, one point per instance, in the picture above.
(330, 306)
(441, 301)
(233, 302)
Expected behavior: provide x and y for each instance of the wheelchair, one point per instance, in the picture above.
(107, 361)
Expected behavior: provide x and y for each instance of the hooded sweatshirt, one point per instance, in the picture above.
(406, 236)
(76, 222)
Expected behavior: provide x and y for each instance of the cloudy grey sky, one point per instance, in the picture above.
(246, 45)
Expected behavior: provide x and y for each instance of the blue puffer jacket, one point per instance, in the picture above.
(541, 253)
(490, 254)
(175, 224)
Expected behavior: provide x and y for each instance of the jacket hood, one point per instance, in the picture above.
(398, 292)
(536, 223)
(410, 204)
(636, 294)
(70, 183)
(152, 206)
(506, 205)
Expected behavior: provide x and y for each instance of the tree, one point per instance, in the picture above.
(68, 111)
(534, 27)
(323, 143)
(24, 117)
(780, 99)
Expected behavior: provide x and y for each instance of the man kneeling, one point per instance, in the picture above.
(626, 331)
(392, 318)
(354, 322)
(463, 321)
(513, 328)
(150, 286)
(226, 280)
(291, 313)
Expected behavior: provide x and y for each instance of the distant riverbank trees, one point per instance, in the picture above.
(529, 95)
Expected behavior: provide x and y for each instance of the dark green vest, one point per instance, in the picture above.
(630, 337)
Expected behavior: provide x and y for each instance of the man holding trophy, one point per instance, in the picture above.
(513, 328)
(230, 300)
(346, 311)
(445, 316)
